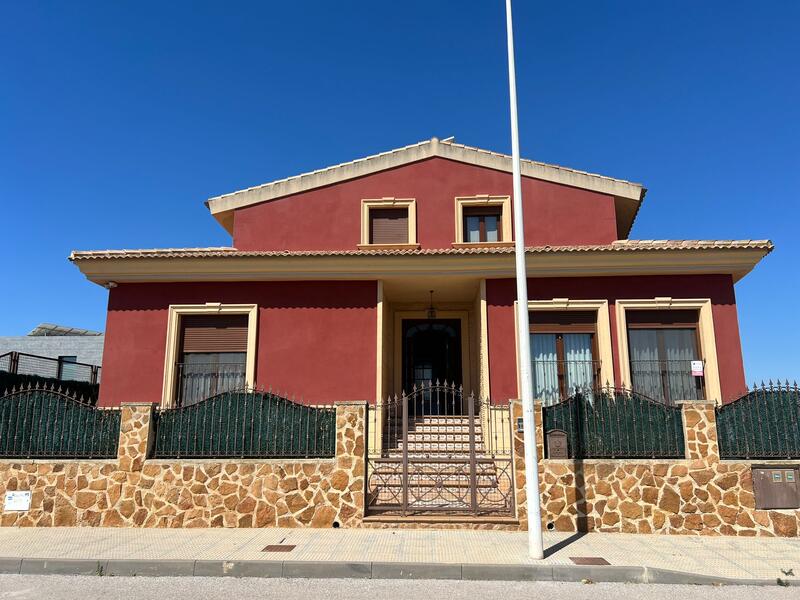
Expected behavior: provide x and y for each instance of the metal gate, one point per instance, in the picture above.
(436, 449)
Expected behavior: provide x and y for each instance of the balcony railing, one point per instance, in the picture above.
(557, 380)
(196, 382)
(20, 363)
(667, 381)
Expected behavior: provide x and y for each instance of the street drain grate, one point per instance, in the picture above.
(279, 548)
(589, 560)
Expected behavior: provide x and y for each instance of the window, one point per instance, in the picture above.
(662, 346)
(388, 222)
(67, 369)
(483, 224)
(388, 226)
(212, 357)
(563, 353)
(483, 220)
(211, 348)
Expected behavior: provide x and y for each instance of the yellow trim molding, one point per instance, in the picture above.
(177, 311)
(504, 202)
(705, 329)
(409, 203)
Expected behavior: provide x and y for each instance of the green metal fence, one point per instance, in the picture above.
(617, 423)
(245, 424)
(764, 423)
(44, 422)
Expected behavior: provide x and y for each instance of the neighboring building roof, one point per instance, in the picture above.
(617, 246)
(626, 257)
(49, 330)
(628, 196)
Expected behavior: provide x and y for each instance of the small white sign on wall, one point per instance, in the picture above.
(17, 501)
(697, 368)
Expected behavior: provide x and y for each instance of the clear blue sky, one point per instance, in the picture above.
(117, 119)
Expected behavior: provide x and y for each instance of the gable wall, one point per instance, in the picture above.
(330, 218)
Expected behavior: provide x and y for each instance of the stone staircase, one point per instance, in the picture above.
(438, 464)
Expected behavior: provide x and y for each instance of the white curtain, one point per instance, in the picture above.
(545, 367)
(645, 368)
(578, 357)
(681, 350)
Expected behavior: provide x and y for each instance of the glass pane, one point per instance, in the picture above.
(681, 350)
(491, 228)
(578, 356)
(545, 367)
(472, 229)
(205, 374)
(645, 364)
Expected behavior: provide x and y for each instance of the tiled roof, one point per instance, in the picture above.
(618, 246)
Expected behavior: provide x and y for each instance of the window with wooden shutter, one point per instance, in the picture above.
(214, 333)
(388, 226)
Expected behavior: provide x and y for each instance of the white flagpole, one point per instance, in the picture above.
(535, 545)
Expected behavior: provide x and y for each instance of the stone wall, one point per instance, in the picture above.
(134, 492)
(700, 495)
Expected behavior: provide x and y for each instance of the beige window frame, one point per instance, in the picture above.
(177, 311)
(605, 352)
(408, 203)
(484, 201)
(705, 331)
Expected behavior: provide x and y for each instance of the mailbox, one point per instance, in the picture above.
(776, 486)
(557, 444)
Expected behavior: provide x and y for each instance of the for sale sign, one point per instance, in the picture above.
(697, 368)
(17, 501)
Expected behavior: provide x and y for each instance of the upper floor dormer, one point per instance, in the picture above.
(432, 195)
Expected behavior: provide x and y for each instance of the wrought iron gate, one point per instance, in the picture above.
(436, 449)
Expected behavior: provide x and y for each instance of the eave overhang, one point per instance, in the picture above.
(112, 267)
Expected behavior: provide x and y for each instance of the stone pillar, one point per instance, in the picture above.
(349, 475)
(700, 434)
(134, 435)
(518, 450)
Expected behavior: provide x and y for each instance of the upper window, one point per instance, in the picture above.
(663, 345)
(388, 226)
(483, 224)
(212, 357)
(563, 353)
(483, 220)
(388, 222)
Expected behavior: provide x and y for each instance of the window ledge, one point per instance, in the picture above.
(483, 244)
(388, 246)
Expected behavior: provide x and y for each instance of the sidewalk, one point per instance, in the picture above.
(398, 553)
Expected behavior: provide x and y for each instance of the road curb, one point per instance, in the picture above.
(369, 570)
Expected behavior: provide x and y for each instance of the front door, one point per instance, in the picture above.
(431, 352)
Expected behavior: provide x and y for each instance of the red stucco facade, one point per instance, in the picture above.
(319, 339)
(329, 218)
(501, 293)
(310, 337)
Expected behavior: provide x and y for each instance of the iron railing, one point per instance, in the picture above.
(616, 423)
(245, 424)
(196, 382)
(762, 424)
(44, 422)
(667, 381)
(437, 449)
(553, 379)
(20, 363)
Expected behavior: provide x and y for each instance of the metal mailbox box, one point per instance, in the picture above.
(557, 444)
(776, 486)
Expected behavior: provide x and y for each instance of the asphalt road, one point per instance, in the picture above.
(53, 587)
